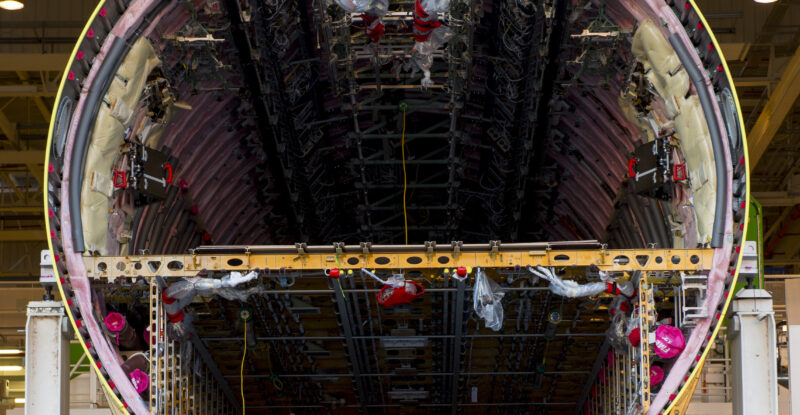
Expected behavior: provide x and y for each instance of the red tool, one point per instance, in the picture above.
(120, 181)
(679, 172)
(390, 296)
(631, 162)
(168, 167)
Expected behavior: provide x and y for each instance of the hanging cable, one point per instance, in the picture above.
(241, 370)
(404, 106)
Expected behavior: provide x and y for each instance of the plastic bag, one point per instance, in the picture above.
(188, 288)
(433, 6)
(422, 53)
(616, 333)
(487, 301)
(568, 288)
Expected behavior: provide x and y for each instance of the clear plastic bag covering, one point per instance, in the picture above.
(433, 6)
(373, 7)
(422, 54)
(186, 289)
(617, 333)
(487, 301)
(567, 288)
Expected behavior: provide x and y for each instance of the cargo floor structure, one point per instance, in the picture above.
(300, 146)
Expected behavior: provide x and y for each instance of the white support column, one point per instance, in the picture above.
(46, 359)
(792, 289)
(754, 376)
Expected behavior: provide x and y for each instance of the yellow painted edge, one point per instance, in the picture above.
(698, 368)
(53, 116)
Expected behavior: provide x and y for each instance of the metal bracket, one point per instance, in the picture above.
(430, 249)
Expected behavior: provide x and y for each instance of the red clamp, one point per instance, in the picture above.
(120, 181)
(461, 272)
(419, 10)
(679, 172)
(376, 32)
(176, 318)
(631, 162)
(334, 273)
(390, 296)
(168, 167)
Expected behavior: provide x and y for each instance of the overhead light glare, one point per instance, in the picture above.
(10, 368)
(11, 4)
(10, 351)
(765, 1)
(19, 400)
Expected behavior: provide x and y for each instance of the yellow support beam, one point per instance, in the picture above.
(27, 157)
(13, 62)
(43, 107)
(681, 404)
(22, 235)
(779, 105)
(393, 258)
(774, 199)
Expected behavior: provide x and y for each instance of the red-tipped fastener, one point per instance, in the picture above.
(71, 76)
(461, 272)
(334, 273)
(102, 12)
(90, 33)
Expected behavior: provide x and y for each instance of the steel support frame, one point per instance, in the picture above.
(388, 257)
(177, 385)
(47, 359)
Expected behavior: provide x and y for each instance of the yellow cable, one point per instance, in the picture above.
(241, 371)
(405, 182)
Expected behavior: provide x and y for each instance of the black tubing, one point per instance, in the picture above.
(85, 126)
(720, 207)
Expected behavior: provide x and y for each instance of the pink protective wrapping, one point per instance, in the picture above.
(74, 261)
(722, 256)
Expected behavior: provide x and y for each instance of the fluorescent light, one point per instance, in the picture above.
(11, 4)
(10, 351)
(19, 400)
(766, 1)
(10, 368)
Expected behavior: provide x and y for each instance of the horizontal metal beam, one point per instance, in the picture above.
(25, 91)
(21, 209)
(22, 157)
(433, 336)
(780, 104)
(416, 404)
(394, 257)
(35, 62)
(772, 199)
(333, 375)
(22, 235)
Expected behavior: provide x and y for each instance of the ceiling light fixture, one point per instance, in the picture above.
(765, 1)
(11, 4)
(10, 368)
(10, 351)
(19, 400)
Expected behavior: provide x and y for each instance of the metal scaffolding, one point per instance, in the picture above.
(184, 377)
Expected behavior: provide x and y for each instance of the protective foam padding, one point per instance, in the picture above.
(672, 83)
(113, 117)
